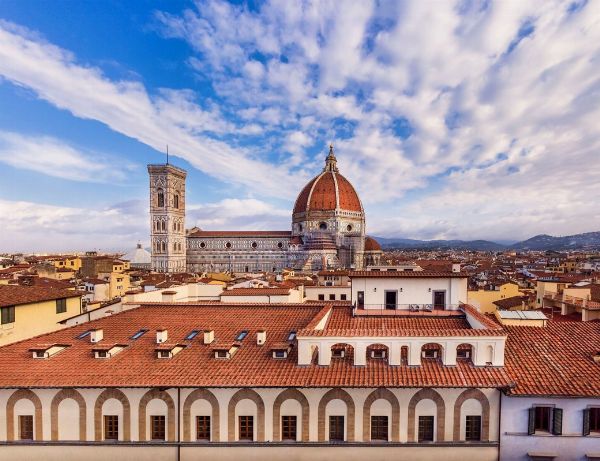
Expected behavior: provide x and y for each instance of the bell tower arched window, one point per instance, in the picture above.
(176, 201)
(161, 198)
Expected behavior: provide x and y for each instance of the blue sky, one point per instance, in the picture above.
(481, 124)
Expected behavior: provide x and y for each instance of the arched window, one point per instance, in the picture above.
(163, 247)
(164, 225)
(176, 201)
(161, 198)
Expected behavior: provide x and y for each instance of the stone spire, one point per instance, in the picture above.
(331, 161)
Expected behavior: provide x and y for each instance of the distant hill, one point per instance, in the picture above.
(477, 245)
(587, 241)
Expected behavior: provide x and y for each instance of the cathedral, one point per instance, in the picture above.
(327, 231)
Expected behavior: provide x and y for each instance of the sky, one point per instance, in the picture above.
(464, 119)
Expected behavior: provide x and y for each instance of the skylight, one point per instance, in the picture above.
(192, 334)
(241, 335)
(291, 336)
(139, 334)
(84, 334)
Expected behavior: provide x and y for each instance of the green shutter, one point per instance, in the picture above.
(557, 415)
(586, 422)
(531, 426)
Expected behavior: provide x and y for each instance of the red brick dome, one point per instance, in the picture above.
(371, 244)
(328, 191)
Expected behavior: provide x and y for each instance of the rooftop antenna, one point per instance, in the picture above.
(167, 154)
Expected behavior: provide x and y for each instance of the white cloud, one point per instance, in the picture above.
(53, 157)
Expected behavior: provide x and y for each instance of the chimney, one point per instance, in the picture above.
(261, 337)
(161, 336)
(168, 296)
(455, 267)
(96, 335)
(209, 336)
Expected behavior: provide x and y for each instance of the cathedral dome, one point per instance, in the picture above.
(371, 244)
(328, 191)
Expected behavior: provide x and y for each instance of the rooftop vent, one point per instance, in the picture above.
(261, 337)
(161, 336)
(96, 335)
(209, 336)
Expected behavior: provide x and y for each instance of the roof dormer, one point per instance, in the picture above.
(108, 351)
(168, 351)
(45, 351)
(225, 350)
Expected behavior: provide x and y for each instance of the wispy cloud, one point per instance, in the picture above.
(54, 157)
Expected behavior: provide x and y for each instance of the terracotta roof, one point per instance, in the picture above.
(513, 301)
(256, 292)
(554, 360)
(242, 234)
(252, 365)
(11, 295)
(371, 244)
(409, 274)
(325, 191)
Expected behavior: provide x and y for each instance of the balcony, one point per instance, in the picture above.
(405, 310)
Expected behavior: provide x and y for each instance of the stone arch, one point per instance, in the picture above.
(160, 395)
(467, 347)
(475, 394)
(260, 411)
(334, 394)
(293, 394)
(427, 394)
(489, 354)
(10, 413)
(201, 394)
(384, 394)
(121, 397)
(58, 398)
(433, 347)
(374, 347)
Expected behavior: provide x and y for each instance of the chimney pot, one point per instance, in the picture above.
(209, 336)
(161, 336)
(96, 335)
(261, 337)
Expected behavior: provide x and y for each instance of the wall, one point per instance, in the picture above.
(37, 318)
(483, 300)
(313, 292)
(414, 290)
(571, 446)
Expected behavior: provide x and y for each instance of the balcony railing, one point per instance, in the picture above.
(403, 309)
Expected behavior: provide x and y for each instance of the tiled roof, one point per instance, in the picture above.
(11, 295)
(371, 244)
(513, 301)
(242, 233)
(325, 191)
(409, 274)
(256, 292)
(554, 360)
(252, 365)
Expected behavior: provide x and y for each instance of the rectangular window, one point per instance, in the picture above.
(288, 428)
(426, 428)
(321, 297)
(336, 428)
(473, 428)
(379, 428)
(594, 419)
(26, 427)
(111, 427)
(191, 335)
(246, 427)
(332, 297)
(241, 335)
(343, 297)
(61, 305)
(542, 419)
(7, 314)
(157, 423)
(139, 333)
(202, 427)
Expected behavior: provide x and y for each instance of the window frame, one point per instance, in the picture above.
(158, 427)
(337, 428)
(7, 315)
(61, 305)
(426, 432)
(111, 427)
(203, 427)
(26, 427)
(379, 429)
(289, 428)
(473, 428)
(246, 428)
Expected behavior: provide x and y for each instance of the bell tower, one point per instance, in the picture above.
(167, 218)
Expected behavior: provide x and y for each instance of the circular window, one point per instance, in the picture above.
(280, 245)
(323, 226)
(228, 245)
(202, 245)
(254, 244)
(349, 227)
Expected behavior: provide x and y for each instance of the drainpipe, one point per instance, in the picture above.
(499, 425)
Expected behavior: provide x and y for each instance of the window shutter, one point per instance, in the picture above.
(557, 415)
(531, 426)
(586, 421)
